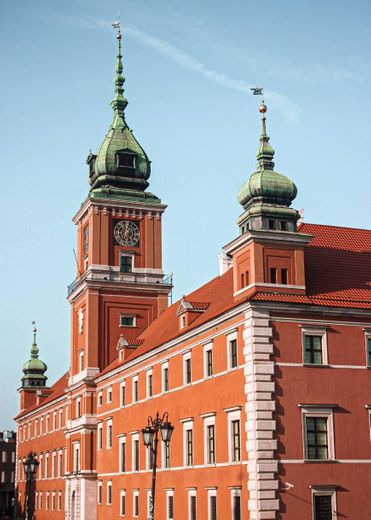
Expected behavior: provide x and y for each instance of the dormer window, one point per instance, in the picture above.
(127, 320)
(125, 160)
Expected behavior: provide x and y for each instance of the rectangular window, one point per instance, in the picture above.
(170, 505)
(46, 465)
(109, 434)
(209, 362)
(122, 503)
(135, 389)
(192, 505)
(166, 454)
(122, 455)
(324, 503)
(183, 322)
(81, 360)
(284, 276)
(76, 457)
(60, 463)
(242, 280)
(135, 454)
(127, 321)
(165, 377)
(47, 501)
(187, 369)
(136, 504)
(78, 408)
(236, 504)
(270, 224)
(149, 464)
(86, 240)
(100, 398)
(149, 384)
(125, 160)
(126, 263)
(100, 436)
(109, 394)
(54, 464)
(41, 500)
(122, 394)
(189, 446)
(59, 500)
(109, 493)
(236, 440)
(283, 225)
(212, 505)
(53, 501)
(233, 358)
(316, 437)
(313, 349)
(368, 347)
(99, 492)
(273, 275)
(210, 437)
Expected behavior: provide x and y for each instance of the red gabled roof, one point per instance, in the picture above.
(337, 268)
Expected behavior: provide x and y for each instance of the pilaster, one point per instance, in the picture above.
(260, 424)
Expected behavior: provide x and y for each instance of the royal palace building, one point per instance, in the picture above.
(264, 371)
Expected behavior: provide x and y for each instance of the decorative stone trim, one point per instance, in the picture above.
(260, 425)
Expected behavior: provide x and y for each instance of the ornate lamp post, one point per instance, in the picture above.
(30, 467)
(150, 439)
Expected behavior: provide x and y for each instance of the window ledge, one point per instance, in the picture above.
(320, 461)
(317, 365)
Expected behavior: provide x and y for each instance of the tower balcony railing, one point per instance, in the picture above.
(133, 277)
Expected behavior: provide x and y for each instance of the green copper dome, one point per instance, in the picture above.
(121, 166)
(34, 368)
(267, 195)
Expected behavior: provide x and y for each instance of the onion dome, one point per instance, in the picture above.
(34, 368)
(121, 164)
(267, 195)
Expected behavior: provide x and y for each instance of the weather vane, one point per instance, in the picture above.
(257, 91)
(117, 24)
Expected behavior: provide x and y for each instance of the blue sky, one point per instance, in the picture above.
(188, 66)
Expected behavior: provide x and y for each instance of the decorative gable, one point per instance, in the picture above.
(188, 311)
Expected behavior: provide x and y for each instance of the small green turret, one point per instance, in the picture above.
(34, 368)
(267, 195)
(121, 167)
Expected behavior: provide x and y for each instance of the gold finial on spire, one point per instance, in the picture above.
(263, 109)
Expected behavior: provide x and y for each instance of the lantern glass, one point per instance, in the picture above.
(147, 434)
(32, 466)
(166, 431)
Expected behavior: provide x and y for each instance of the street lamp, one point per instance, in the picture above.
(150, 439)
(30, 467)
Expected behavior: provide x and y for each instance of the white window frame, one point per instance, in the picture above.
(315, 331)
(61, 418)
(40, 466)
(319, 411)
(182, 321)
(122, 401)
(186, 356)
(60, 462)
(234, 415)
(163, 456)
(208, 348)
(135, 395)
(209, 420)
(231, 337)
(99, 492)
(235, 492)
(76, 456)
(59, 503)
(109, 438)
(100, 398)
(149, 375)
(188, 425)
(53, 501)
(122, 496)
(109, 394)
(191, 493)
(324, 490)
(46, 469)
(148, 495)
(148, 458)
(165, 366)
(54, 458)
(135, 494)
(78, 407)
(122, 442)
(81, 360)
(211, 493)
(169, 493)
(132, 255)
(100, 436)
(134, 438)
(131, 316)
(108, 485)
(40, 500)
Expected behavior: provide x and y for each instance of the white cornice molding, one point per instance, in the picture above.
(270, 236)
(120, 204)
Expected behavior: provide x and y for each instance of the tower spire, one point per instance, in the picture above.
(265, 151)
(34, 347)
(34, 369)
(119, 102)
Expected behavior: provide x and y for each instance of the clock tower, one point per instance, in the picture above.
(120, 287)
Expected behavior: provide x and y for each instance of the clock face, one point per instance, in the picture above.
(126, 233)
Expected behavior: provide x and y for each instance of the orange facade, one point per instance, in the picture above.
(264, 371)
